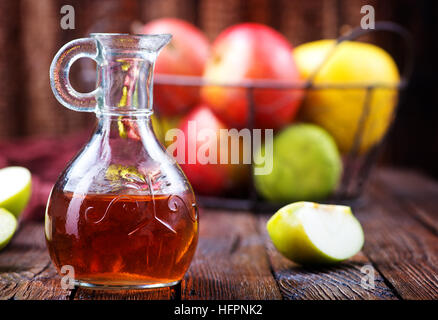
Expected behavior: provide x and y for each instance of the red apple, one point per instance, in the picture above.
(185, 55)
(252, 51)
(208, 178)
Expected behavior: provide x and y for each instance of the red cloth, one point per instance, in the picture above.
(45, 158)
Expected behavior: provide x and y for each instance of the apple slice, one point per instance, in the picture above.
(311, 233)
(15, 188)
(8, 225)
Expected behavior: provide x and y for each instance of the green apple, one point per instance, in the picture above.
(311, 233)
(306, 165)
(15, 188)
(8, 225)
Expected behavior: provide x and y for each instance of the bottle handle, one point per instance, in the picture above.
(60, 70)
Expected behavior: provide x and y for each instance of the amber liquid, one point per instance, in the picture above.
(123, 240)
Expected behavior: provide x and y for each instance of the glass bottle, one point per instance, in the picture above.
(122, 213)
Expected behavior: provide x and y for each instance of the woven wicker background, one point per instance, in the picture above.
(30, 34)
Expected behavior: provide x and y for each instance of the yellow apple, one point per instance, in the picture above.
(340, 111)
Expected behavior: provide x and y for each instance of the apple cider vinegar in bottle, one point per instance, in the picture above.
(122, 213)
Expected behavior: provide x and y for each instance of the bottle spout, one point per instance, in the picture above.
(114, 42)
(158, 41)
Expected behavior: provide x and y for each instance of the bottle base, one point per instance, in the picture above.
(121, 286)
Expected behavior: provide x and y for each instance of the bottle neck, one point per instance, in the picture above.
(125, 86)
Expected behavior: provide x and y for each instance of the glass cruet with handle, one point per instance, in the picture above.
(122, 214)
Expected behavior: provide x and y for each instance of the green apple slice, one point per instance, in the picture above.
(15, 188)
(8, 225)
(311, 233)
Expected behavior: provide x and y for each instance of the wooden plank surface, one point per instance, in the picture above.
(417, 192)
(401, 247)
(26, 271)
(230, 262)
(236, 260)
(338, 282)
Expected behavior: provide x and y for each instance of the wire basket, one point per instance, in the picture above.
(356, 166)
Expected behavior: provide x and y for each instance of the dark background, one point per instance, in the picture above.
(30, 34)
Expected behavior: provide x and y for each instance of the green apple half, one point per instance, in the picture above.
(311, 233)
(15, 188)
(8, 225)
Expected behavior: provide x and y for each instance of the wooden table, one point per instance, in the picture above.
(236, 260)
